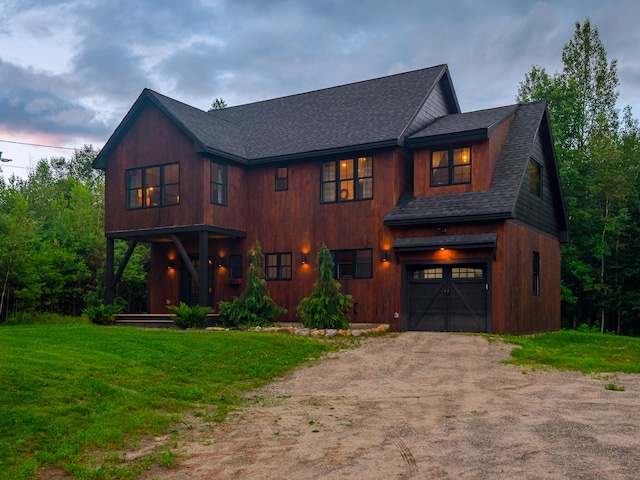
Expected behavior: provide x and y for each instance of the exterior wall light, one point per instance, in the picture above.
(304, 259)
(385, 255)
(170, 265)
(222, 262)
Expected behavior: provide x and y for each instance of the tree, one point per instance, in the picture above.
(218, 104)
(254, 306)
(326, 307)
(596, 175)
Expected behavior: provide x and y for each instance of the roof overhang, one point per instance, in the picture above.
(163, 233)
(475, 135)
(415, 244)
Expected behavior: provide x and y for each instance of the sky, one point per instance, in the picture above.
(71, 69)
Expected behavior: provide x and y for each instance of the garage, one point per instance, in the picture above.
(447, 298)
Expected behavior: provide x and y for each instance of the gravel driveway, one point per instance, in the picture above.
(424, 406)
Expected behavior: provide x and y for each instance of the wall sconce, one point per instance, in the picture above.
(222, 262)
(210, 261)
(170, 265)
(385, 255)
(304, 259)
(442, 230)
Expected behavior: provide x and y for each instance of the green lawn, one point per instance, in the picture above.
(66, 390)
(580, 351)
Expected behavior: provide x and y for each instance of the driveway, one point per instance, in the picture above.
(424, 406)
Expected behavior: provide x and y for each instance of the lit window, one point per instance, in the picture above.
(347, 180)
(156, 186)
(451, 167)
(535, 178)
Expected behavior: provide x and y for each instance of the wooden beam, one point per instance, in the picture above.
(185, 258)
(203, 285)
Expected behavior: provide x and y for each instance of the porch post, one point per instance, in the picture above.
(203, 286)
(109, 293)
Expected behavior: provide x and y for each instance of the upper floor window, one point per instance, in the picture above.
(155, 186)
(282, 179)
(353, 263)
(347, 180)
(535, 178)
(451, 167)
(218, 183)
(277, 266)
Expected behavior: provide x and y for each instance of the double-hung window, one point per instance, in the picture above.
(218, 183)
(156, 186)
(277, 266)
(347, 180)
(282, 179)
(451, 166)
(353, 263)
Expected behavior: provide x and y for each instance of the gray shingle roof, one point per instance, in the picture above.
(364, 114)
(497, 202)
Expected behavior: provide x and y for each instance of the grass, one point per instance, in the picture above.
(70, 391)
(585, 352)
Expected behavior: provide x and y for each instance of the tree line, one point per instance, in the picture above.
(52, 223)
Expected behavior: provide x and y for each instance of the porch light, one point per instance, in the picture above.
(222, 262)
(170, 265)
(385, 255)
(304, 259)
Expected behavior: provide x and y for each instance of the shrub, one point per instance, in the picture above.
(326, 307)
(187, 316)
(254, 307)
(102, 314)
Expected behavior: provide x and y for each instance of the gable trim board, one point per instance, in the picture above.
(397, 120)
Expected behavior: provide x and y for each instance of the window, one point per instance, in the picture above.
(277, 266)
(156, 186)
(355, 263)
(218, 184)
(428, 273)
(535, 178)
(282, 179)
(467, 272)
(347, 180)
(235, 266)
(536, 273)
(451, 167)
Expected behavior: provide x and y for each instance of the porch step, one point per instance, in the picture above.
(152, 320)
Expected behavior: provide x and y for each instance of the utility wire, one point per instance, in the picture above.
(37, 145)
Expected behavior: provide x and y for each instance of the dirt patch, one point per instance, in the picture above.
(422, 405)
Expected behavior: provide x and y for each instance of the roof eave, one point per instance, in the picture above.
(477, 134)
(414, 221)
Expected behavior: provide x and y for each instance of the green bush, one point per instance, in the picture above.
(326, 307)
(189, 316)
(254, 307)
(102, 314)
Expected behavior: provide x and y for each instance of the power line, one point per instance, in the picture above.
(37, 145)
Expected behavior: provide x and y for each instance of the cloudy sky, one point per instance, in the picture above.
(70, 69)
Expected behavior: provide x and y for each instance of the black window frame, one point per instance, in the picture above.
(235, 266)
(143, 187)
(331, 189)
(536, 273)
(535, 171)
(451, 167)
(282, 181)
(282, 269)
(360, 269)
(222, 185)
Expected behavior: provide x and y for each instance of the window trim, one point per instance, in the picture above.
(144, 196)
(451, 167)
(539, 170)
(335, 255)
(357, 178)
(280, 266)
(282, 182)
(536, 273)
(224, 185)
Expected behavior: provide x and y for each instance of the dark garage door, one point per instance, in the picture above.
(448, 298)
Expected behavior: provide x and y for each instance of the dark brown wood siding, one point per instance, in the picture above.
(525, 312)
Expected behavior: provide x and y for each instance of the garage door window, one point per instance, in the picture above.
(467, 273)
(428, 273)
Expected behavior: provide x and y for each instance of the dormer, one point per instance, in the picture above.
(458, 153)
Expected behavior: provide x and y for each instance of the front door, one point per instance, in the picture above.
(448, 298)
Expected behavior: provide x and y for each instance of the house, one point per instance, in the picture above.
(437, 219)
